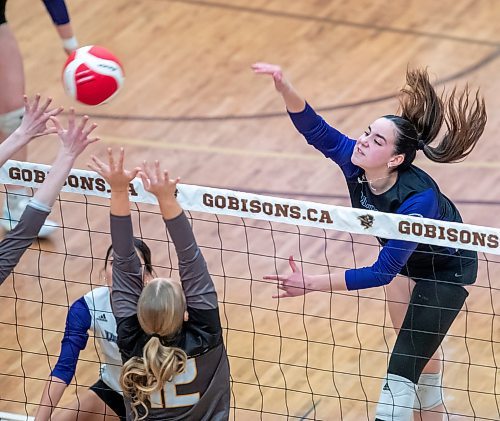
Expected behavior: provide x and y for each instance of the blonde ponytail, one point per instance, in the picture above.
(160, 311)
(141, 377)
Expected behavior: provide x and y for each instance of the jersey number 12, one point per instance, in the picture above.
(168, 396)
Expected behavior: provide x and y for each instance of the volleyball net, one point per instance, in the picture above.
(318, 356)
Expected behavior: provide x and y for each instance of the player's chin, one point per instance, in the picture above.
(357, 159)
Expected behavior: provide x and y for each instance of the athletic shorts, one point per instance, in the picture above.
(459, 268)
(111, 398)
(3, 19)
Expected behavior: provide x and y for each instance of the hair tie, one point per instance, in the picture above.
(421, 144)
(156, 335)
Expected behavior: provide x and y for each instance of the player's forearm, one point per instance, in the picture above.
(293, 101)
(69, 41)
(329, 282)
(15, 243)
(11, 145)
(51, 187)
(51, 396)
(120, 204)
(169, 208)
(65, 31)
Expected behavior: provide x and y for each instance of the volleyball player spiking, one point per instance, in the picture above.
(380, 176)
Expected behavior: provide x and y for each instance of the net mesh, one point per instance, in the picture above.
(319, 356)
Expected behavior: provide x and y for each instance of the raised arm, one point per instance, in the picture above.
(75, 338)
(293, 101)
(34, 124)
(74, 140)
(59, 14)
(196, 281)
(326, 139)
(127, 271)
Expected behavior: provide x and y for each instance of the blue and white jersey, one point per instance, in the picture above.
(91, 312)
(103, 323)
(414, 193)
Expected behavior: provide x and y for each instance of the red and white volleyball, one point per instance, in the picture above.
(92, 75)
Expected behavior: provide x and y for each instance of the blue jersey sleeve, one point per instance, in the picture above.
(395, 253)
(75, 339)
(326, 139)
(58, 11)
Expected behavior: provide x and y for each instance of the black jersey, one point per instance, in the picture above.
(201, 392)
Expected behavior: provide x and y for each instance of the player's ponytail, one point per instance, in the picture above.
(141, 377)
(423, 112)
(160, 311)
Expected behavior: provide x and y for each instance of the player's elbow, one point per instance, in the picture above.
(382, 279)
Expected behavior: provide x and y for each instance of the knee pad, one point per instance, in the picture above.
(396, 399)
(429, 391)
(10, 121)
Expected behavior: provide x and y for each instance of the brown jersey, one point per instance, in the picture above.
(15, 243)
(201, 392)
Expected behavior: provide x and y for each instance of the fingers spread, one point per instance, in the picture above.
(83, 122)
(89, 129)
(121, 159)
(56, 124)
(145, 180)
(55, 111)
(44, 107)
(111, 159)
(134, 172)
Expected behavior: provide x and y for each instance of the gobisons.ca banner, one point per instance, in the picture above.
(275, 209)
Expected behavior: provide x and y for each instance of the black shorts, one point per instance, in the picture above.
(459, 268)
(3, 19)
(432, 309)
(111, 398)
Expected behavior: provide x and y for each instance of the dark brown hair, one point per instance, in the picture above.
(144, 252)
(423, 112)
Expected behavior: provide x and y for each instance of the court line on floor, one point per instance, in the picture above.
(364, 26)
(253, 153)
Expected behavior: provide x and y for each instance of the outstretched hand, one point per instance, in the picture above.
(293, 284)
(275, 71)
(36, 117)
(157, 181)
(74, 138)
(113, 172)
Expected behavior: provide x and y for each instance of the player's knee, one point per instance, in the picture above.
(10, 121)
(396, 399)
(429, 391)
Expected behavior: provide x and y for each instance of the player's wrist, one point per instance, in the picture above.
(119, 190)
(20, 136)
(70, 44)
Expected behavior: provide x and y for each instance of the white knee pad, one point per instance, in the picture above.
(396, 399)
(429, 391)
(11, 121)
